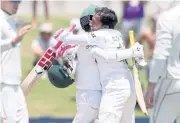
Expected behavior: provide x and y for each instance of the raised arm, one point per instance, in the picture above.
(70, 38)
(12, 39)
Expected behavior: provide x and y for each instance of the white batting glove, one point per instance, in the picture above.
(137, 50)
(138, 54)
(61, 37)
(140, 61)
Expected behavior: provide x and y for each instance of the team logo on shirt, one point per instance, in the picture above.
(93, 35)
(115, 38)
(89, 46)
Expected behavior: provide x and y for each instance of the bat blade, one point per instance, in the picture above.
(43, 64)
(30, 80)
(137, 83)
(139, 92)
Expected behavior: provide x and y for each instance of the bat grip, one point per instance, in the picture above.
(60, 32)
(131, 36)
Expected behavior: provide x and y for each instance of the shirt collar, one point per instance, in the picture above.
(4, 14)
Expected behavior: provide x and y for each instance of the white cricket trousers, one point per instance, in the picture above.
(88, 102)
(166, 102)
(12, 104)
(117, 104)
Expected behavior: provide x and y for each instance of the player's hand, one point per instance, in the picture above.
(61, 36)
(67, 52)
(140, 61)
(149, 97)
(21, 33)
(138, 50)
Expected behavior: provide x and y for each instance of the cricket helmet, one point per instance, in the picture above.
(86, 16)
(59, 77)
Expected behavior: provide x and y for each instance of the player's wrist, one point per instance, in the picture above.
(16, 40)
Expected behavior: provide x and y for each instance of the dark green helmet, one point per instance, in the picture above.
(59, 77)
(86, 16)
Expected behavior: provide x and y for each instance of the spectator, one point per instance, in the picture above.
(44, 41)
(133, 18)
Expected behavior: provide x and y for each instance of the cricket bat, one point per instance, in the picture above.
(43, 64)
(139, 92)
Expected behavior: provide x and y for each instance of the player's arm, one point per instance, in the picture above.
(69, 38)
(11, 42)
(161, 52)
(76, 39)
(162, 48)
(5, 45)
(117, 55)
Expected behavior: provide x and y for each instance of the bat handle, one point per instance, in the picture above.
(60, 32)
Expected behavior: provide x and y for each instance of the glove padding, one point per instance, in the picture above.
(138, 54)
(67, 52)
(138, 50)
(62, 36)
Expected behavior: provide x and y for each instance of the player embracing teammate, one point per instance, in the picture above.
(104, 47)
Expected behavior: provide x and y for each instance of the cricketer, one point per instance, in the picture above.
(12, 102)
(120, 86)
(163, 92)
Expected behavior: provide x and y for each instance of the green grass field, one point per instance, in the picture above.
(44, 98)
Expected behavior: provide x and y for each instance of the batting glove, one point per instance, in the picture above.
(61, 36)
(137, 50)
(67, 52)
(138, 53)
